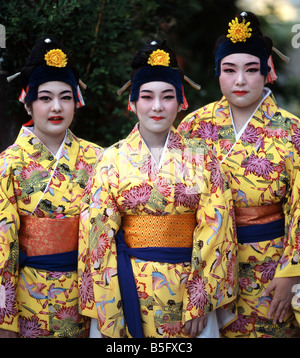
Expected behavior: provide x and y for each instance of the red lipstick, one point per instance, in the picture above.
(55, 119)
(240, 93)
(157, 118)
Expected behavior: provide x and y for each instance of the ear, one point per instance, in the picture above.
(28, 110)
(179, 108)
(132, 106)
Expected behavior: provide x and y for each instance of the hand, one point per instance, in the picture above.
(8, 334)
(282, 297)
(195, 326)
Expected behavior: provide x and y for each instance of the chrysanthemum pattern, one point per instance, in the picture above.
(262, 168)
(39, 303)
(239, 31)
(128, 181)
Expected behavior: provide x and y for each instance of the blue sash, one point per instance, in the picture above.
(130, 300)
(63, 262)
(260, 232)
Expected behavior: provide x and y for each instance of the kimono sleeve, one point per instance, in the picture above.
(9, 249)
(213, 281)
(289, 263)
(100, 226)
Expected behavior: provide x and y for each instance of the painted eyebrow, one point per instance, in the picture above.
(234, 65)
(45, 91)
(167, 90)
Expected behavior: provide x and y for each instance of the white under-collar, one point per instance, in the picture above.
(163, 150)
(57, 155)
(266, 92)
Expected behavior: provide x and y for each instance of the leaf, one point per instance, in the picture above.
(246, 179)
(29, 309)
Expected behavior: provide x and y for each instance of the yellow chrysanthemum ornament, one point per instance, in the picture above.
(159, 58)
(56, 58)
(239, 31)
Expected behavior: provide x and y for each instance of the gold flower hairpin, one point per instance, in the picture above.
(239, 31)
(159, 58)
(56, 58)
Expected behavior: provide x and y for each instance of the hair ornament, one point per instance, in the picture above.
(159, 58)
(56, 58)
(12, 77)
(82, 84)
(156, 64)
(124, 88)
(186, 78)
(192, 83)
(239, 31)
(283, 57)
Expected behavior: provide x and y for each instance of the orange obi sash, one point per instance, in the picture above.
(256, 215)
(159, 231)
(46, 236)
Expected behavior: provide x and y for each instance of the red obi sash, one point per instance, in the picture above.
(255, 215)
(46, 236)
(259, 223)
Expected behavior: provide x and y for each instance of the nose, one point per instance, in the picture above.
(240, 79)
(56, 106)
(157, 105)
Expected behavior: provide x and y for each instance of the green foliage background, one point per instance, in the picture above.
(103, 36)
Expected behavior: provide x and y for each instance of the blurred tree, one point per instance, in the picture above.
(103, 36)
(287, 86)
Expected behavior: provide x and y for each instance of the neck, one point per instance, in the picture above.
(240, 116)
(155, 142)
(53, 143)
(53, 146)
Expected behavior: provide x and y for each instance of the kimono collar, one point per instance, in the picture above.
(39, 152)
(173, 141)
(265, 94)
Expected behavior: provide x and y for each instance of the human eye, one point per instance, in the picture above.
(145, 97)
(169, 97)
(228, 70)
(253, 70)
(67, 98)
(44, 98)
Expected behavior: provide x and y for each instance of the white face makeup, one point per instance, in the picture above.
(53, 111)
(241, 81)
(156, 108)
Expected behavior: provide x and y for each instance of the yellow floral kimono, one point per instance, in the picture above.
(262, 166)
(129, 184)
(34, 184)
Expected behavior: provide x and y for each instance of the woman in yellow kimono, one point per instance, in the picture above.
(157, 245)
(43, 176)
(257, 143)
